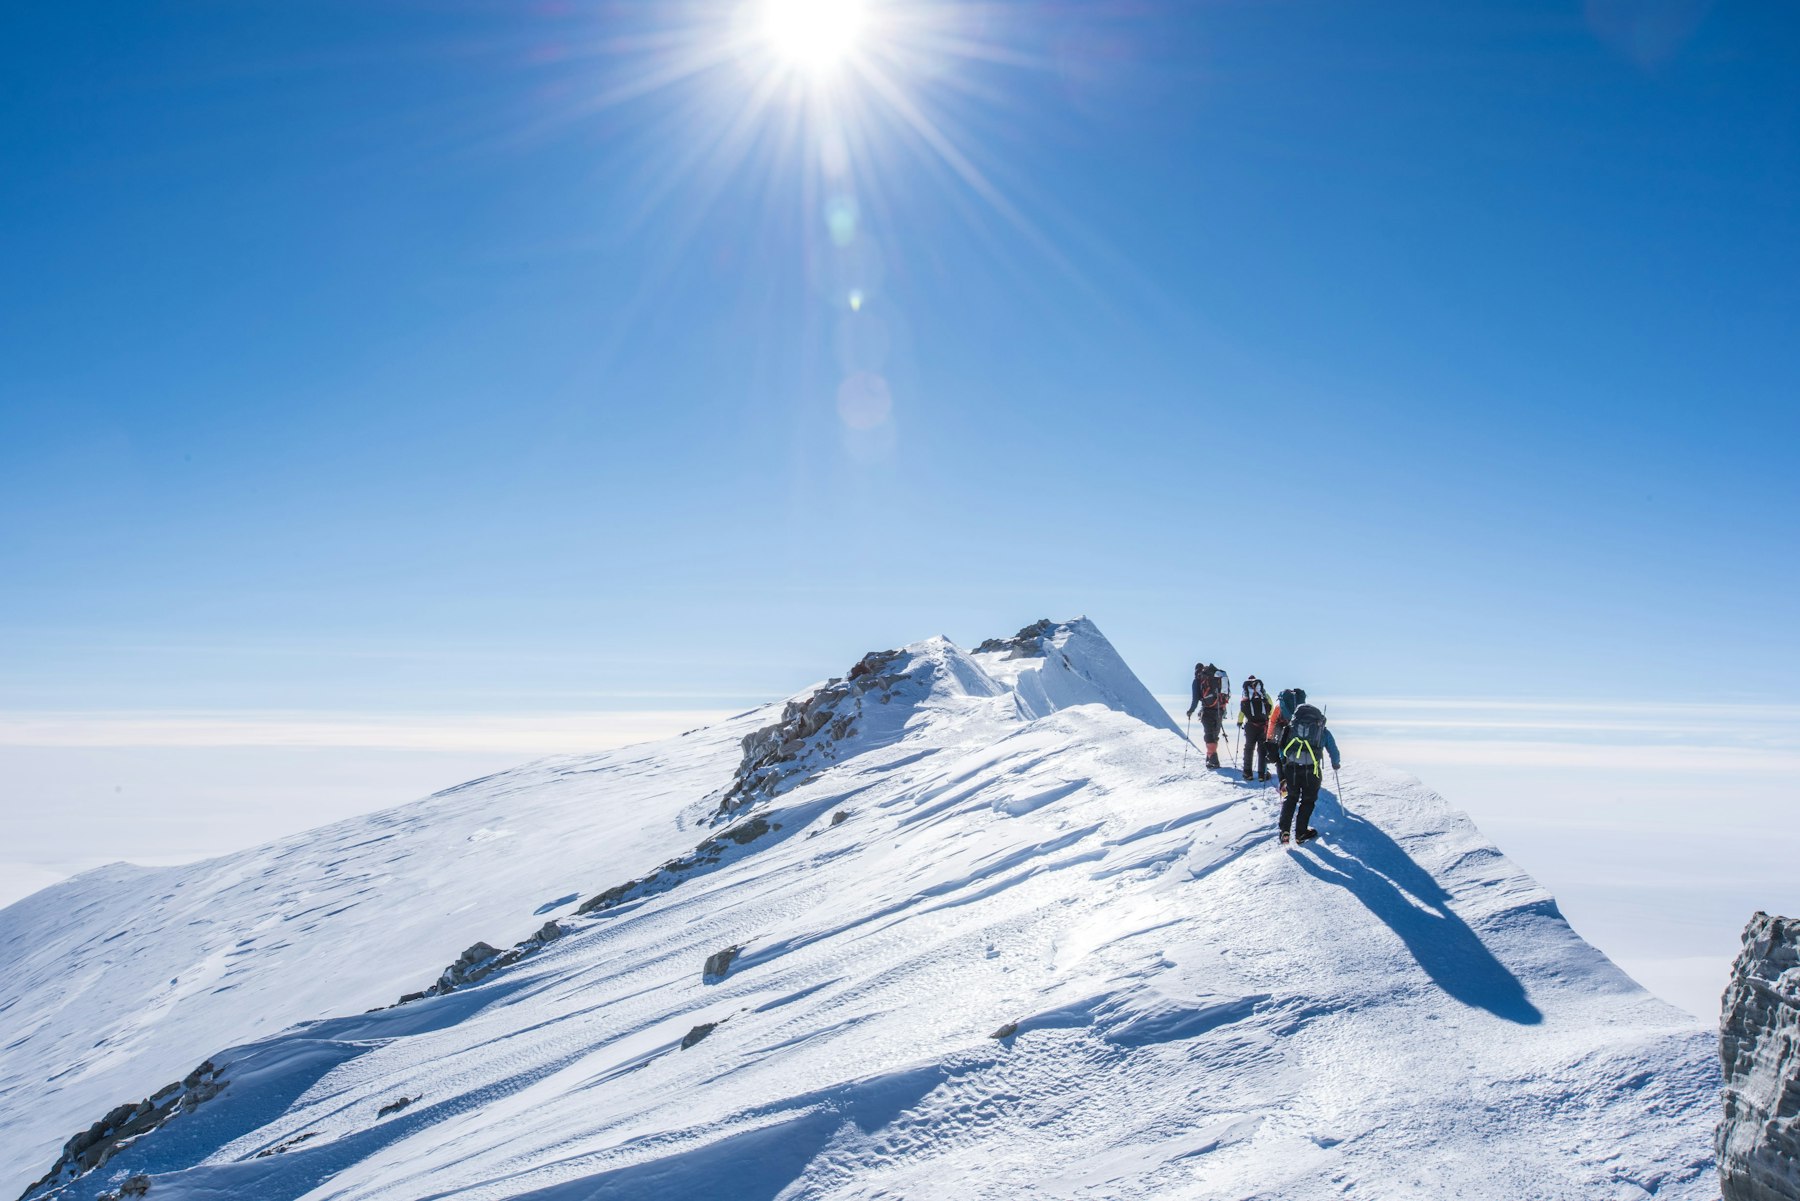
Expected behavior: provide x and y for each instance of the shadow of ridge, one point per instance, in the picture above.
(266, 1079)
(1441, 943)
(760, 1164)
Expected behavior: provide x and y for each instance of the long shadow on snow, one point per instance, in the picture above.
(757, 1165)
(1441, 943)
(265, 1079)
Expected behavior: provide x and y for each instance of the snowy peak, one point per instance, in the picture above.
(1043, 669)
(869, 707)
(1050, 667)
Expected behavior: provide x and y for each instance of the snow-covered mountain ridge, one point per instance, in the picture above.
(942, 847)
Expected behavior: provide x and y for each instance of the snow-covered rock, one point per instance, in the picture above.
(971, 928)
(1759, 1042)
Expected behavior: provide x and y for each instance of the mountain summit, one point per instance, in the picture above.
(956, 924)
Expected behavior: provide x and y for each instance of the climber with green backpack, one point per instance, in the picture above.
(1304, 743)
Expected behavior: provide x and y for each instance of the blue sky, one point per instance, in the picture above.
(391, 392)
(411, 356)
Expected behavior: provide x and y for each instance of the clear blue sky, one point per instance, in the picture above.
(373, 356)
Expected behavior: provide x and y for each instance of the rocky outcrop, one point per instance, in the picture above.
(803, 740)
(718, 965)
(1028, 643)
(394, 1106)
(676, 870)
(282, 1148)
(1758, 1140)
(480, 961)
(113, 1133)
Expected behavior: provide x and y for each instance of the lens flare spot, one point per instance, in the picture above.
(840, 219)
(864, 401)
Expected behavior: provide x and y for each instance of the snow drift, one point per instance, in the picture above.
(958, 924)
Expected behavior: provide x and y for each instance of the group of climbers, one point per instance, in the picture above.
(1290, 732)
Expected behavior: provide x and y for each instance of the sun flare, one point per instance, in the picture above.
(814, 36)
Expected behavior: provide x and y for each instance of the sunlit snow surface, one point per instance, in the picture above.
(1396, 1013)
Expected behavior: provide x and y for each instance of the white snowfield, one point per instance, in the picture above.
(1001, 935)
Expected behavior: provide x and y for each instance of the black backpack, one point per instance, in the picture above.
(1305, 735)
(1256, 701)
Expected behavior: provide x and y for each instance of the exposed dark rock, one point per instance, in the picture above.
(135, 1186)
(93, 1147)
(747, 832)
(809, 727)
(481, 961)
(394, 1106)
(1758, 1140)
(1028, 643)
(283, 1148)
(472, 965)
(838, 818)
(697, 1033)
(1006, 1031)
(613, 896)
(718, 964)
(674, 871)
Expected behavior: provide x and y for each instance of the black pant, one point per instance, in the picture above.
(1255, 745)
(1209, 723)
(1303, 782)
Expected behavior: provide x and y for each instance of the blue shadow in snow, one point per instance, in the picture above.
(760, 1164)
(1376, 870)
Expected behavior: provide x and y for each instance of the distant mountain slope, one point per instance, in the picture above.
(957, 925)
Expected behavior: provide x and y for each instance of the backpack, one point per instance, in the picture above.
(1305, 735)
(1256, 700)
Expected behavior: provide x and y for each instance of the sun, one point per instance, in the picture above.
(814, 36)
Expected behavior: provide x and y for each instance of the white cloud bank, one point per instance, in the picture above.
(1659, 827)
(524, 734)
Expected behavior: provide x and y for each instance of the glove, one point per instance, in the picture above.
(1190, 712)
(1240, 721)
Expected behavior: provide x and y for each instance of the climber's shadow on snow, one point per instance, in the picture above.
(1415, 907)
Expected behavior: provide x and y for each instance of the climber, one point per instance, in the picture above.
(1253, 721)
(1212, 692)
(1289, 700)
(1305, 744)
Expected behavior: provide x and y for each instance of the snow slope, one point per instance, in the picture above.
(990, 932)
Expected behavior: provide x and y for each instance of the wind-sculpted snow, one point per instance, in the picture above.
(997, 942)
(1051, 667)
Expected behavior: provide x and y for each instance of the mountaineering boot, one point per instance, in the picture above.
(1212, 758)
(1306, 835)
(1262, 775)
(1284, 838)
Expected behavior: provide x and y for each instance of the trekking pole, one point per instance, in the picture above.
(1339, 786)
(1189, 744)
